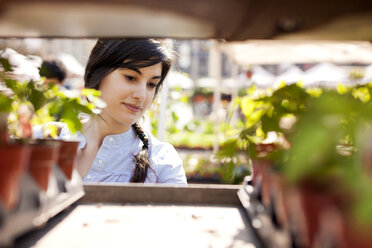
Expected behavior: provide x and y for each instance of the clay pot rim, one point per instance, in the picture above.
(14, 145)
(45, 142)
(70, 141)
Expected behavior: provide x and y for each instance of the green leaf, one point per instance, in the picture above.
(314, 92)
(37, 98)
(362, 94)
(6, 65)
(174, 116)
(311, 145)
(270, 123)
(227, 172)
(228, 149)
(342, 89)
(93, 92)
(247, 105)
(5, 103)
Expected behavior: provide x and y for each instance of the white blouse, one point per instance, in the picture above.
(114, 159)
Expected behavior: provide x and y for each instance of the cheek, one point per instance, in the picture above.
(106, 96)
(112, 91)
(150, 99)
(105, 91)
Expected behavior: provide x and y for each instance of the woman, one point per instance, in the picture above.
(129, 74)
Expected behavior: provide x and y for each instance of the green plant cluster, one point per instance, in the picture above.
(331, 146)
(264, 111)
(356, 73)
(32, 103)
(323, 137)
(198, 166)
(196, 134)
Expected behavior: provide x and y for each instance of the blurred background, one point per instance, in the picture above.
(196, 107)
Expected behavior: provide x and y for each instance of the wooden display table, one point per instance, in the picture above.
(134, 215)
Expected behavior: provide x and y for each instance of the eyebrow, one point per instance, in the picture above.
(139, 72)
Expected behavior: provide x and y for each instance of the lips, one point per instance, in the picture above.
(132, 107)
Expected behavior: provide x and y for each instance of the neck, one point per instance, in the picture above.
(99, 129)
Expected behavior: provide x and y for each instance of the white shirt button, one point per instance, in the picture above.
(89, 177)
(111, 139)
(100, 161)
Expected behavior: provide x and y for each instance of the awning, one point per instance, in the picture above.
(289, 51)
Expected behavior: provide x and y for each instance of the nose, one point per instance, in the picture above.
(139, 91)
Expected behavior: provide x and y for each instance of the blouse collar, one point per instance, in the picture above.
(126, 137)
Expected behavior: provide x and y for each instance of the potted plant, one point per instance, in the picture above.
(323, 159)
(328, 162)
(66, 107)
(14, 160)
(29, 101)
(13, 157)
(267, 117)
(35, 105)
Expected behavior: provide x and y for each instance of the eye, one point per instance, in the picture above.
(130, 78)
(152, 85)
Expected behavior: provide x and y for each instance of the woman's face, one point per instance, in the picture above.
(128, 94)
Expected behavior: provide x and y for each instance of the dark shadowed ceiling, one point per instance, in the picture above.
(233, 20)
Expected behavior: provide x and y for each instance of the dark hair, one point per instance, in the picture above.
(111, 54)
(53, 69)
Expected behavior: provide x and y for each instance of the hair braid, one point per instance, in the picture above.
(141, 160)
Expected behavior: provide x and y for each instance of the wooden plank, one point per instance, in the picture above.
(155, 193)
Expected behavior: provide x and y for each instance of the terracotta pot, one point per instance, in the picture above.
(315, 202)
(256, 172)
(356, 235)
(13, 163)
(199, 98)
(67, 157)
(42, 160)
(293, 219)
(279, 190)
(261, 169)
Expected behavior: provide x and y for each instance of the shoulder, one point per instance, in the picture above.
(162, 150)
(166, 161)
